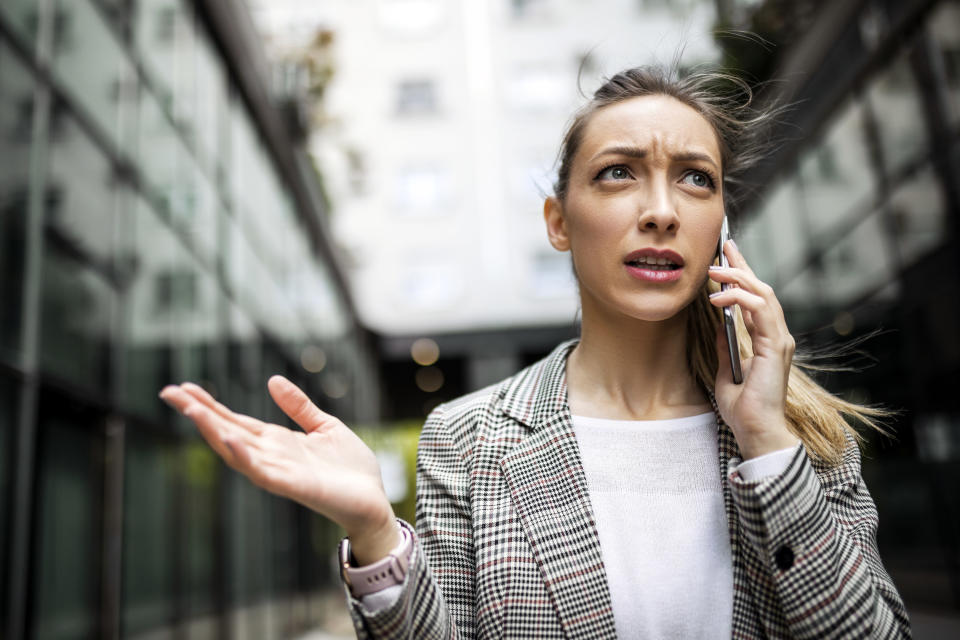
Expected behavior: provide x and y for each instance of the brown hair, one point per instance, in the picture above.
(815, 415)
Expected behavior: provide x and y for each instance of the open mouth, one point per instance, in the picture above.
(654, 264)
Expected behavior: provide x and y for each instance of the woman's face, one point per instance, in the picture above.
(644, 188)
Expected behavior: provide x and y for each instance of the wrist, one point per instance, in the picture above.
(761, 442)
(375, 542)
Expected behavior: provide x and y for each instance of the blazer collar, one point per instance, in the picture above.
(539, 392)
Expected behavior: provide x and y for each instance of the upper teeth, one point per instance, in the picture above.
(654, 260)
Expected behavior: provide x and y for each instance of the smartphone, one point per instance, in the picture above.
(732, 344)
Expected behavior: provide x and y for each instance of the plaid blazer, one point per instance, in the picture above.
(507, 546)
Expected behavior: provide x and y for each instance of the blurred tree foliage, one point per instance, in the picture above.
(399, 438)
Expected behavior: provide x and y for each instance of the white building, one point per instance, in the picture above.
(446, 117)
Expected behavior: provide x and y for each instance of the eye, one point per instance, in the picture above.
(614, 172)
(699, 179)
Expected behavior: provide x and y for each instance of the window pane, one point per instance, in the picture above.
(918, 211)
(836, 172)
(416, 97)
(945, 26)
(201, 510)
(148, 329)
(858, 264)
(67, 547)
(78, 298)
(8, 425)
(148, 527)
(16, 104)
(896, 103)
(211, 103)
(157, 26)
(754, 241)
(23, 16)
(159, 151)
(783, 216)
(90, 62)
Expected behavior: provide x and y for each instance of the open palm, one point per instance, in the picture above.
(327, 468)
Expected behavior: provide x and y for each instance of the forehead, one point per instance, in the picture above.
(657, 123)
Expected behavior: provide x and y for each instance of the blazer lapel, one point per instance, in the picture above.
(744, 620)
(549, 490)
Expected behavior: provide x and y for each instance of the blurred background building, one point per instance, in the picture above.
(350, 193)
(158, 223)
(437, 134)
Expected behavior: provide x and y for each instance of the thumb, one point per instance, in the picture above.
(297, 405)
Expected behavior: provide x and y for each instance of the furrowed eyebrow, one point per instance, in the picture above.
(637, 152)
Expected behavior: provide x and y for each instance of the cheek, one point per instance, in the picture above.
(706, 235)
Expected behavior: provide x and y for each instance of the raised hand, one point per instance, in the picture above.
(327, 468)
(755, 410)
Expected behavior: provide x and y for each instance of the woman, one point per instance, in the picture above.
(624, 485)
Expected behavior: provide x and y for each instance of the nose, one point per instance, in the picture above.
(658, 212)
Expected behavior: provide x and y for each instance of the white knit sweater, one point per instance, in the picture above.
(658, 502)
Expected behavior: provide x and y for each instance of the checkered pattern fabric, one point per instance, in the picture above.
(507, 546)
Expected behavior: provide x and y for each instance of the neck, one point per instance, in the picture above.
(629, 369)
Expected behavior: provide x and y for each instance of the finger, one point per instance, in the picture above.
(176, 397)
(764, 318)
(215, 430)
(743, 278)
(748, 321)
(766, 327)
(250, 424)
(298, 406)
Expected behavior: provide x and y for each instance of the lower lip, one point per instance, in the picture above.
(655, 275)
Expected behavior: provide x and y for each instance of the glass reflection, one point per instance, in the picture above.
(918, 211)
(836, 173)
(782, 213)
(16, 116)
(148, 520)
(944, 25)
(91, 64)
(148, 327)
(79, 271)
(858, 264)
(899, 114)
(8, 425)
(158, 25)
(67, 547)
(200, 475)
(23, 16)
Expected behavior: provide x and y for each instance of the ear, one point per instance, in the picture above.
(556, 224)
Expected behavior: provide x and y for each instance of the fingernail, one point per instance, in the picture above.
(717, 267)
(715, 294)
(734, 245)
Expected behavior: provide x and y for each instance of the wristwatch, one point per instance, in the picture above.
(383, 573)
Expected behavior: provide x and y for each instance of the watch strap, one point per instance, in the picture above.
(386, 572)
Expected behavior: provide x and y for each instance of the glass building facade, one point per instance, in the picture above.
(854, 222)
(151, 231)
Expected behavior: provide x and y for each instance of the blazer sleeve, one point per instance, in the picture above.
(816, 537)
(437, 604)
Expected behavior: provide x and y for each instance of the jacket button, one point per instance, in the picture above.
(783, 558)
